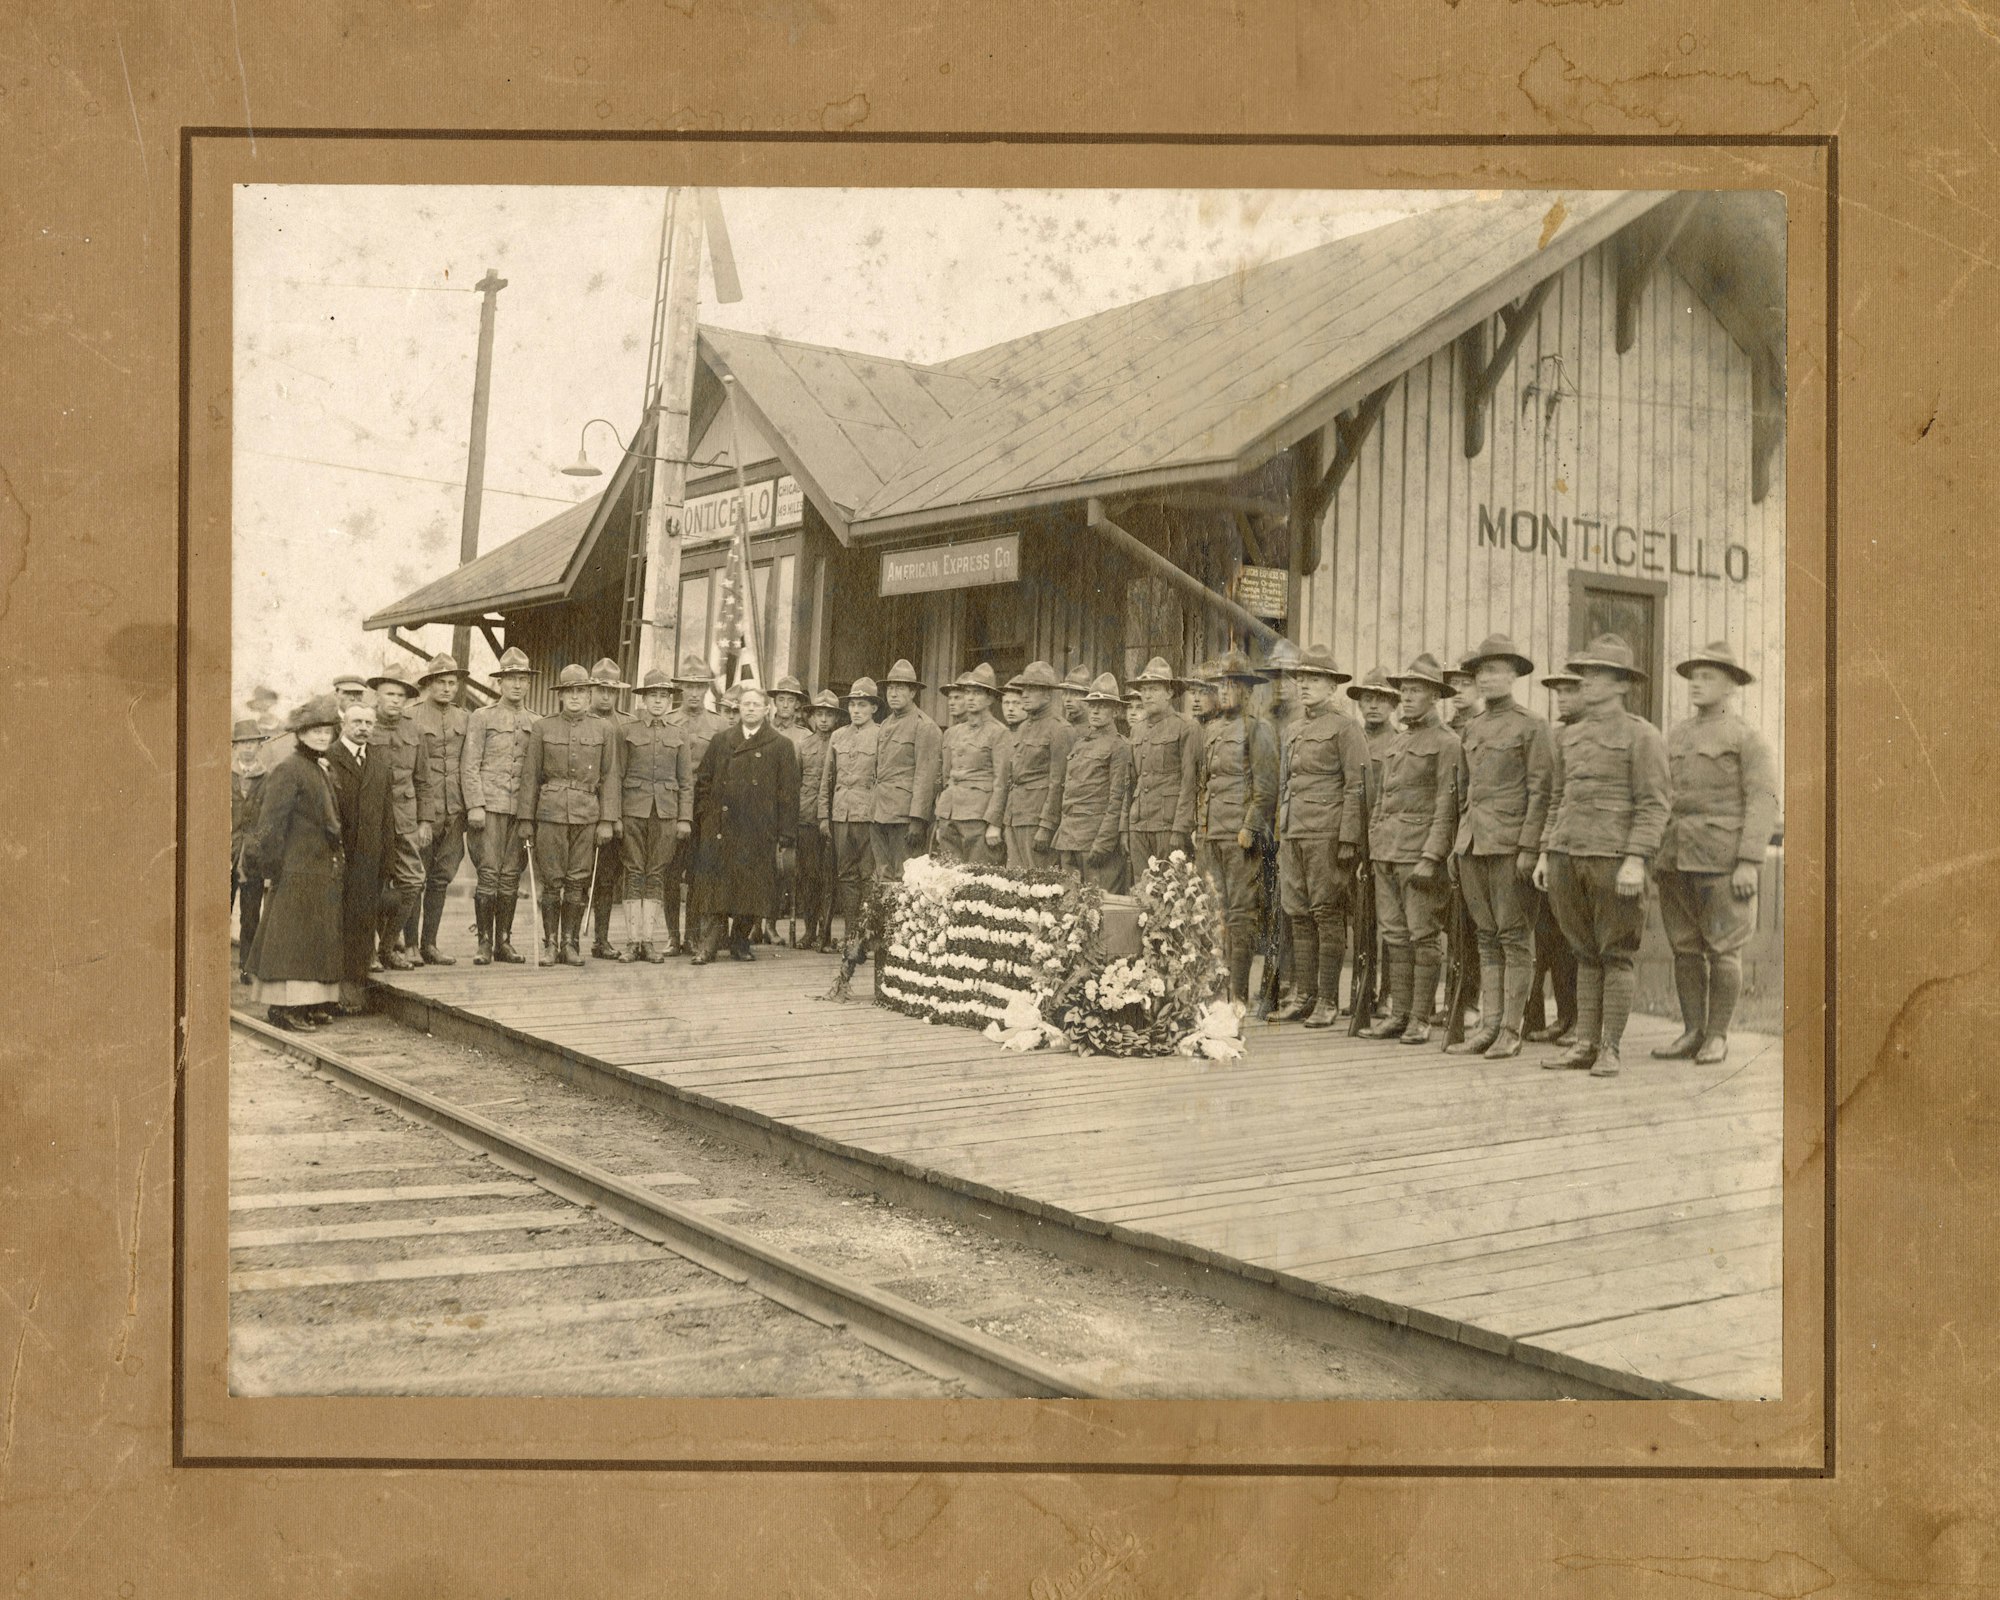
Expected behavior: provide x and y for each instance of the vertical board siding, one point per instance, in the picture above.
(1655, 439)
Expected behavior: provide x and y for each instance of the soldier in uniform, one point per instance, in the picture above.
(1275, 940)
(245, 783)
(1074, 688)
(1238, 805)
(419, 807)
(1411, 827)
(1035, 758)
(1013, 709)
(1322, 776)
(906, 773)
(1553, 955)
(1166, 771)
(656, 786)
(1464, 704)
(969, 815)
(496, 749)
(1201, 688)
(442, 722)
(1506, 771)
(607, 882)
(1086, 799)
(813, 889)
(788, 704)
(701, 725)
(569, 798)
(1376, 703)
(1725, 807)
(846, 816)
(1611, 806)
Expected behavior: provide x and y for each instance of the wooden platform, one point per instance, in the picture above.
(1625, 1230)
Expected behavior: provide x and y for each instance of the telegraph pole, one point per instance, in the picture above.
(671, 396)
(475, 455)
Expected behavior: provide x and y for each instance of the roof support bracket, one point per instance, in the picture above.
(1767, 423)
(1639, 252)
(1252, 626)
(492, 638)
(1480, 373)
(1350, 429)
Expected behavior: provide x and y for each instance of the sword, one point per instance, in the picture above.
(534, 902)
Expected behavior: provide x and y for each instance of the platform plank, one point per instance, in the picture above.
(1627, 1228)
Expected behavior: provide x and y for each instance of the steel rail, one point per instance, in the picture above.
(897, 1327)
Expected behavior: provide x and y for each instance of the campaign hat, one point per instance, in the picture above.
(1607, 650)
(514, 664)
(864, 689)
(656, 678)
(1717, 654)
(789, 685)
(573, 676)
(439, 666)
(393, 672)
(826, 700)
(1496, 647)
(979, 677)
(694, 670)
(1103, 691)
(1077, 681)
(1235, 664)
(1317, 660)
(1561, 680)
(1283, 656)
(1156, 671)
(1035, 675)
(902, 672)
(605, 675)
(1375, 680)
(1423, 670)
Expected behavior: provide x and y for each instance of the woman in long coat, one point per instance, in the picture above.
(746, 797)
(295, 963)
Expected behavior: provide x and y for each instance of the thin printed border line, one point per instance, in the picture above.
(1830, 143)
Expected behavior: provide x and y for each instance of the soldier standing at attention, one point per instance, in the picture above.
(1725, 806)
(1201, 688)
(496, 748)
(607, 882)
(1012, 712)
(1376, 703)
(846, 818)
(1074, 689)
(569, 796)
(1410, 832)
(1322, 774)
(906, 774)
(417, 804)
(1041, 745)
(1465, 700)
(442, 721)
(1086, 799)
(701, 725)
(245, 782)
(788, 702)
(1275, 938)
(814, 875)
(1506, 771)
(969, 803)
(1552, 952)
(788, 717)
(1166, 771)
(656, 786)
(1611, 806)
(1239, 796)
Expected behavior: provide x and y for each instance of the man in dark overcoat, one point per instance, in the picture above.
(747, 801)
(363, 798)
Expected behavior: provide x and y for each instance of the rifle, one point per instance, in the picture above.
(1461, 959)
(1365, 938)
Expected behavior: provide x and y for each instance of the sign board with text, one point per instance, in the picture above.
(775, 504)
(1263, 592)
(952, 566)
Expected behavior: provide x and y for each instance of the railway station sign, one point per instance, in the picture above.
(966, 565)
(1263, 592)
(776, 503)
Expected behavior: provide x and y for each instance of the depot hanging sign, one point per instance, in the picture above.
(775, 504)
(952, 566)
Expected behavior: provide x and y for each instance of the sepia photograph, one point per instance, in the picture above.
(933, 793)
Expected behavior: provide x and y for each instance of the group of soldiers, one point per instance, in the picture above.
(1373, 827)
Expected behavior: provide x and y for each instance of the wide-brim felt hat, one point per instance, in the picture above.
(789, 685)
(440, 666)
(1076, 681)
(902, 672)
(246, 731)
(980, 677)
(864, 689)
(1717, 654)
(1155, 671)
(1104, 691)
(1609, 651)
(322, 711)
(1423, 670)
(657, 678)
(826, 700)
(573, 676)
(1557, 680)
(1283, 656)
(514, 664)
(393, 672)
(1035, 675)
(1374, 681)
(605, 675)
(1317, 661)
(1235, 664)
(1496, 647)
(694, 670)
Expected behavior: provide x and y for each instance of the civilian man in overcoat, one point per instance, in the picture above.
(1612, 800)
(569, 799)
(1506, 774)
(1411, 828)
(907, 761)
(442, 721)
(747, 792)
(362, 796)
(490, 766)
(969, 803)
(245, 785)
(1239, 803)
(1725, 807)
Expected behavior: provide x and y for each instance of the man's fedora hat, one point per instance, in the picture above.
(246, 731)
(1720, 655)
(1423, 670)
(1606, 650)
(1496, 647)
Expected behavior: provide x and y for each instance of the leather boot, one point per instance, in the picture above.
(1691, 988)
(503, 931)
(567, 952)
(1239, 969)
(1505, 1046)
(1306, 973)
(1391, 1023)
(551, 907)
(1331, 953)
(1606, 1064)
(1423, 995)
(1481, 1038)
(482, 916)
(390, 923)
(427, 948)
(1725, 984)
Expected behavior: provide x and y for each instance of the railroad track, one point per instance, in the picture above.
(305, 1289)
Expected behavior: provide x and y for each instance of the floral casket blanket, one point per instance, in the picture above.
(1040, 960)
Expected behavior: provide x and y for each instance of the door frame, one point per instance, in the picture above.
(1584, 579)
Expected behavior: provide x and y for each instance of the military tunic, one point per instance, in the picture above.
(569, 783)
(443, 728)
(1086, 803)
(414, 799)
(1322, 776)
(847, 812)
(1239, 793)
(969, 800)
(1166, 784)
(812, 888)
(906, 783)
(1724, 811)
(1506, 773)
(1033, 761)
(1413, 820)
(490, 762)
(654, 783)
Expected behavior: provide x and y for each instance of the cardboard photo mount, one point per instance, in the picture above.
(1786, 1438)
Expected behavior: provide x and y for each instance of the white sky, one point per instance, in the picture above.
(356, 335)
